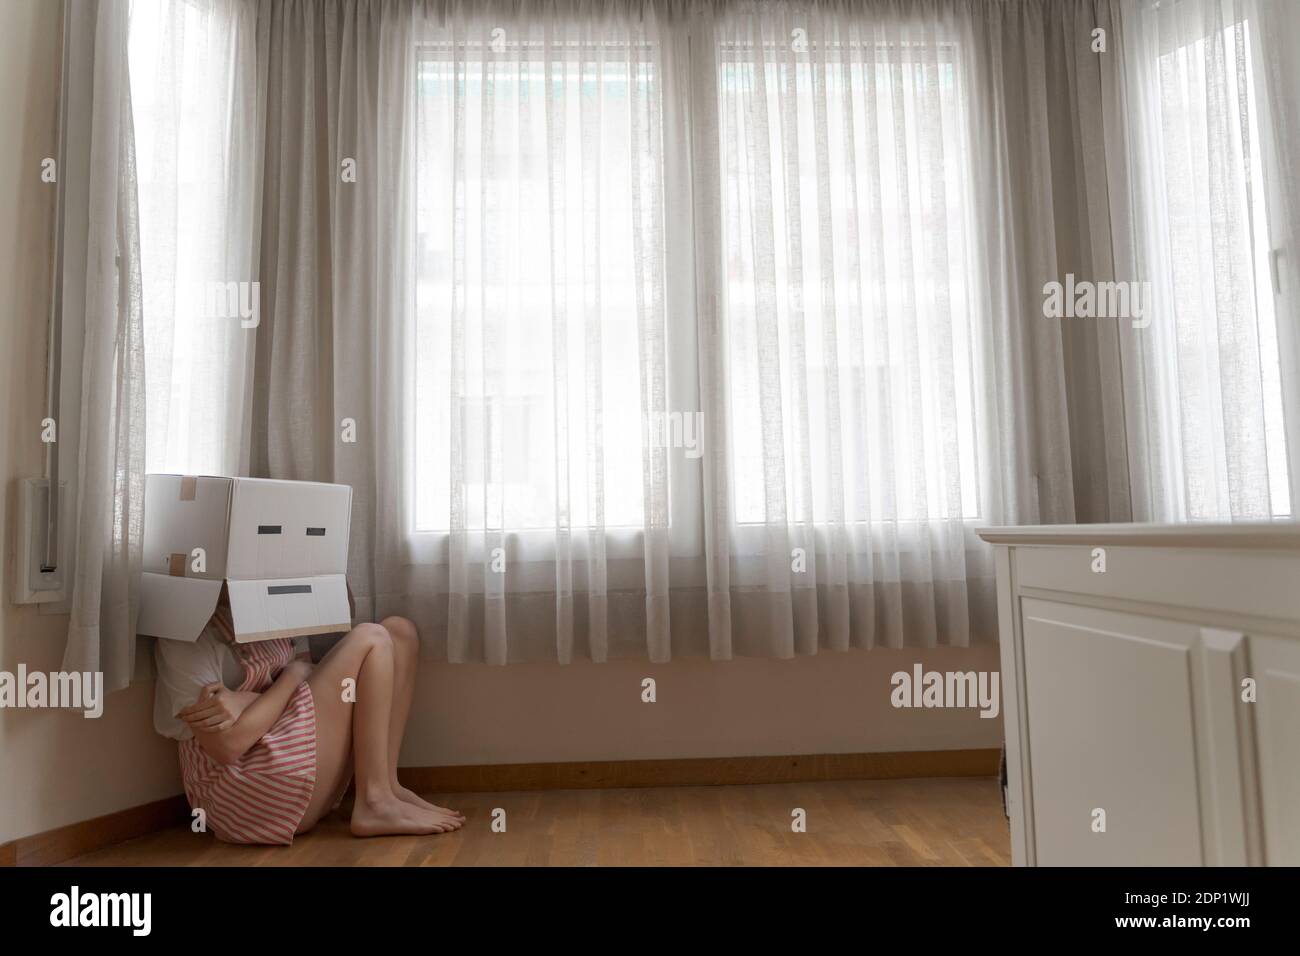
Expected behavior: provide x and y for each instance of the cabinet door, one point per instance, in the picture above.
(1275, 664)
(1111, 718)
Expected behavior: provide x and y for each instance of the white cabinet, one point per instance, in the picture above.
(1151, 683)
(1276, 663)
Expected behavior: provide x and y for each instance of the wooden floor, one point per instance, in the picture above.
(940, 822)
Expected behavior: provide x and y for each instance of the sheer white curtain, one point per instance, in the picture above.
(463, 264)
(477, 236)
(102, 406)
(1207, 107)
(160, 182)
(646, 327)
(539, 361)
(193, 79)
(846, 328)
(875, 221)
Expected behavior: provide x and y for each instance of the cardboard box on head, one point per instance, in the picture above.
(280, 547)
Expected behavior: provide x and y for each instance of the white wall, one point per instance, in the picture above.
(831, 703)
(58, 768)
(55, 768)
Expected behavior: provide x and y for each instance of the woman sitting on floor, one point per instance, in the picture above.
(269, 742)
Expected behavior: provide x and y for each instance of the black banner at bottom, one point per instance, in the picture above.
(369, 906)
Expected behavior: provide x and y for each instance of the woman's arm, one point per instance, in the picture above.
(217, 708)
(227, 746)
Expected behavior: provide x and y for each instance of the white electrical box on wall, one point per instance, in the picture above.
(34, 586)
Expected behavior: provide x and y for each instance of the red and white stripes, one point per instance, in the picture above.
(260, 798)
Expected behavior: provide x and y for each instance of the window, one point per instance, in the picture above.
(192, 69)
(1225, 369)
(538, 184)
(845, 192)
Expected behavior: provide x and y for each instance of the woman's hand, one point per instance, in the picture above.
(298, 669)
(223, 733)
(216, 710)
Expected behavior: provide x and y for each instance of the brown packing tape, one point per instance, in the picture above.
(189, 487)
(176, 564)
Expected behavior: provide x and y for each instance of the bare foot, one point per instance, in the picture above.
(414, 799)
(453, 822)
(445, 819)
(387, 817)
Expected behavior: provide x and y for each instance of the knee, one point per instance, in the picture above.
(403, 633)
(370, 636)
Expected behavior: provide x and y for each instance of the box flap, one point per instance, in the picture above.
(176, 608)
(269, 608)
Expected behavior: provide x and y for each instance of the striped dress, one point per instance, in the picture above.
(262, 796)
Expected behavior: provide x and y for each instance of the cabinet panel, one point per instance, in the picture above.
(1275, 663)
(1111, 725)
(1233, 582)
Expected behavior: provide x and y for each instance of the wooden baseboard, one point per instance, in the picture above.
(702, 772)
(64, 843)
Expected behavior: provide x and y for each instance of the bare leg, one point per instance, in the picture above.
(406, 653)
(359, 731)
